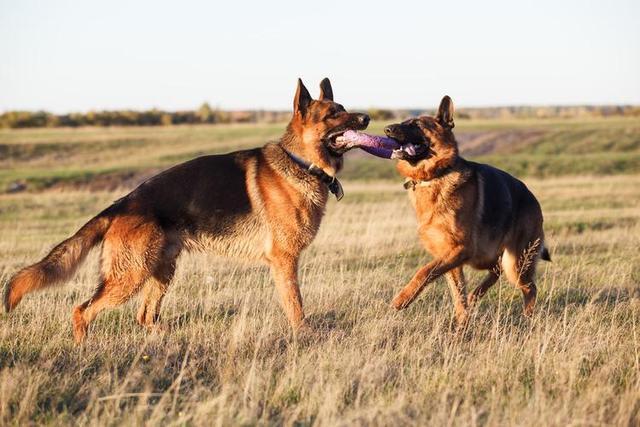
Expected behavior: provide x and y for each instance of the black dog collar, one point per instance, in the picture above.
(411, 184)
(331, 182)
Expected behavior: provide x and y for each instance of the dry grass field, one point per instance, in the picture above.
(226, 355)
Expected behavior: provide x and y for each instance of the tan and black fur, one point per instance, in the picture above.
(256, 203)
(468, 214)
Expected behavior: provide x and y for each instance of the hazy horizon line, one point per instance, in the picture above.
(359, 108)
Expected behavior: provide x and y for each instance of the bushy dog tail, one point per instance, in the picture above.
(60, 264)
(545, 254)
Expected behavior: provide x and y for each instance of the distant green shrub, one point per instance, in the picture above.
(380, 114)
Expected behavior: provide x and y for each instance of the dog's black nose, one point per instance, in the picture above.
(363, 119)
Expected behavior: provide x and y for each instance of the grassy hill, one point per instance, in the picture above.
(106, 158)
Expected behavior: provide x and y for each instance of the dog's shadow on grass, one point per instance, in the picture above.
(323, 322)
(324, 326)
(573, 297)
(558, 303)
(202, 315)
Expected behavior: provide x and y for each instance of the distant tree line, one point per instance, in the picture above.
(207, 115)
(530, 112)
(203, 115)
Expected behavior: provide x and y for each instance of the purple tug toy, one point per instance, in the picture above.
(380, 146)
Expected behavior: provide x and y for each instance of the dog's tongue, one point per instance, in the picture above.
(380, 146)
(410, 149)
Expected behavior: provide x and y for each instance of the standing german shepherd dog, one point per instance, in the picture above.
(265, 203)
(468, 213)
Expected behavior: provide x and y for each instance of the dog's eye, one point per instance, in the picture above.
(335, 113)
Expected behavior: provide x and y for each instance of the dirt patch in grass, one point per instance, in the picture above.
(507, 141)
(106, 181)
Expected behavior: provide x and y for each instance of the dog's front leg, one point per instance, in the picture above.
(284, 268)
(455, 278)
(423, 276)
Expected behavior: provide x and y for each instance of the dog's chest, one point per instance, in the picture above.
(429, 199)
(437, 207)
(295, 226)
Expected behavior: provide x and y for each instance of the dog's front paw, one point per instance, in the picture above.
(305, 333)
(303, 327)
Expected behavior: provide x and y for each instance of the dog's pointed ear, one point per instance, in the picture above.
(326, 92)
(445, 112)
(302, 99)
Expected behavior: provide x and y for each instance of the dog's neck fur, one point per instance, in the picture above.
(307, 185)
(291, 142)
(294, 142)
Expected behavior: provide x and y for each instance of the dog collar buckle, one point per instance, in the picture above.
(331, 182)
(412, 184)
(409, 184)
(336, 188)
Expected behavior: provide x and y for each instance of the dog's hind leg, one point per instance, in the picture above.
(520, 269)
(490, 279)
(424, 275)
(130, 251)
(111, 292)
(455, 279)
(156, 286)
(152, 293)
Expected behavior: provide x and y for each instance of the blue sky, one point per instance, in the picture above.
(80, 55)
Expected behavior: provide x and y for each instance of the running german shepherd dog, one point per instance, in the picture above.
(265, 203)
(468, 213)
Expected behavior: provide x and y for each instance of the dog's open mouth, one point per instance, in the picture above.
(411, 151)
(336, 145)
(411, 148)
